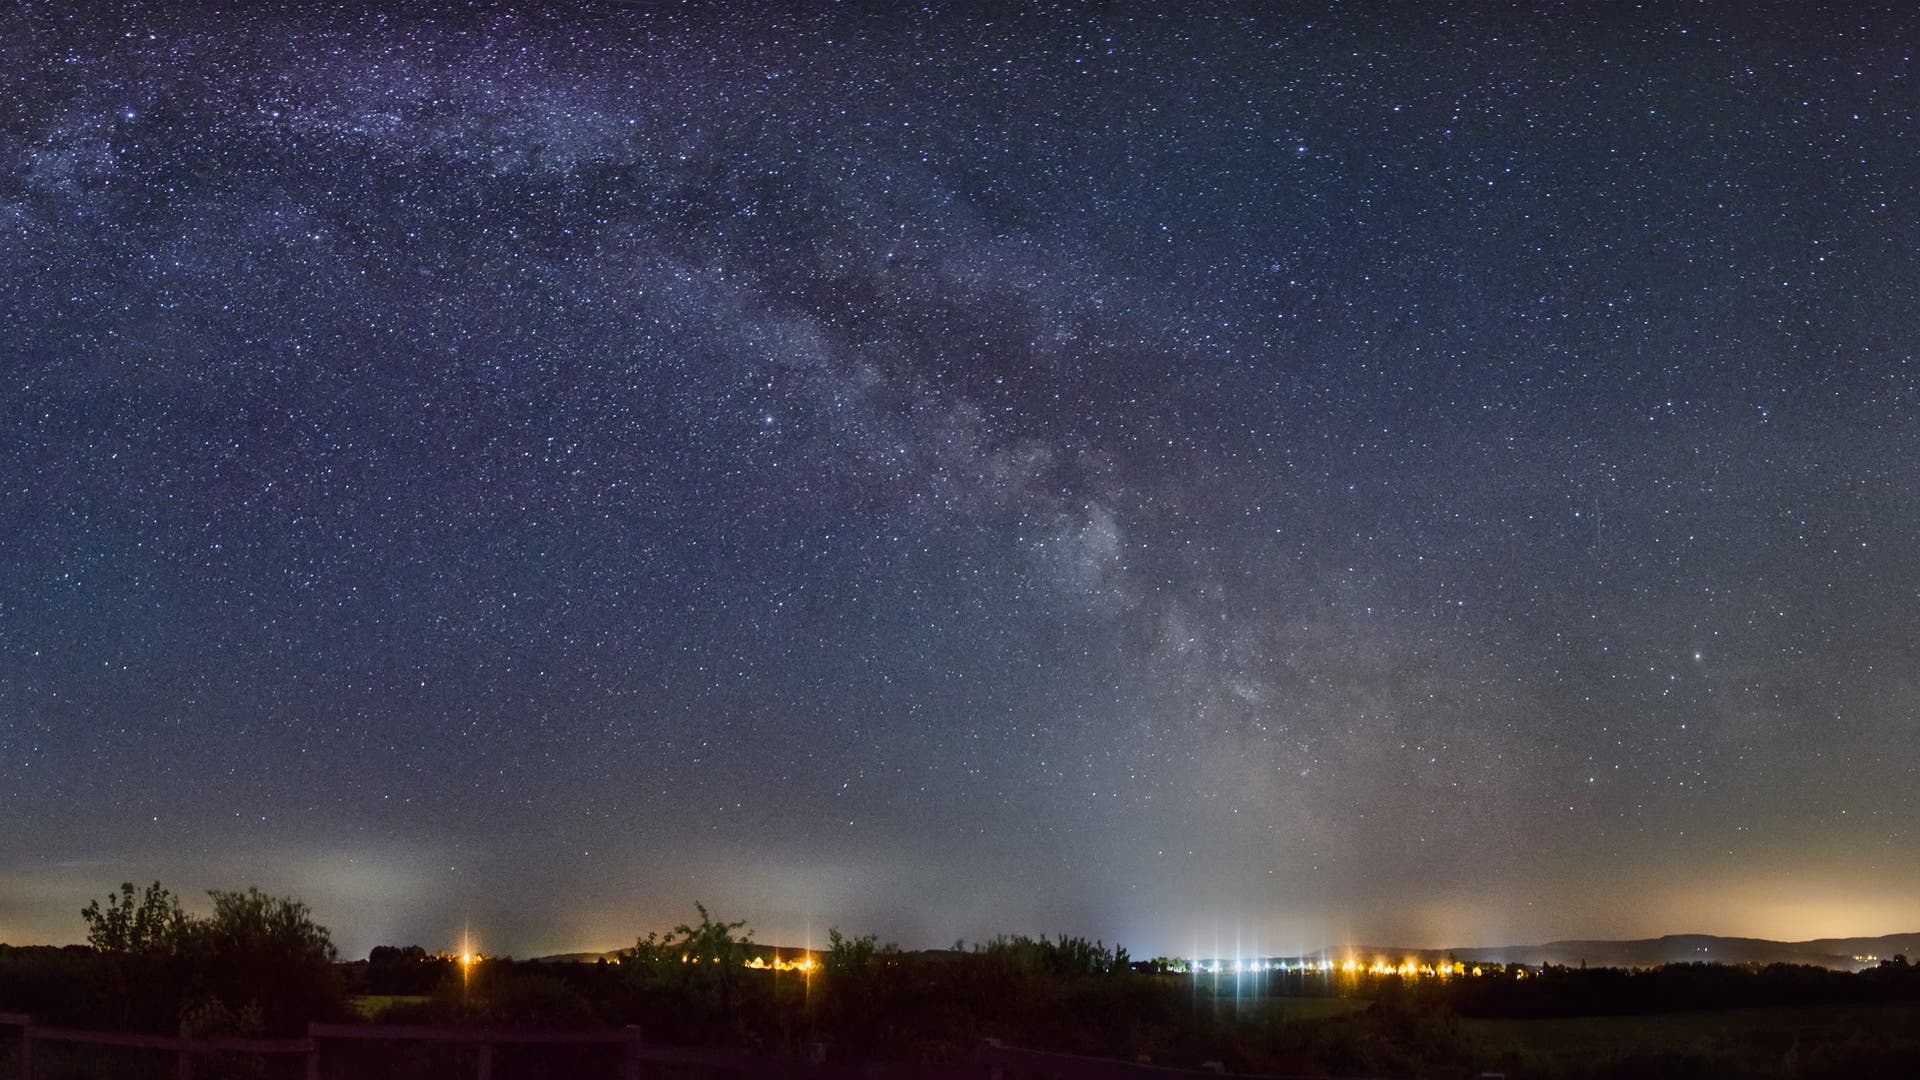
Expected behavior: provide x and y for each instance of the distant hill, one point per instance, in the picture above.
(1847, 954)
(1843, 953)
(574, 958)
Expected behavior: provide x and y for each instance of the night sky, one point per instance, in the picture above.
(1259, 474)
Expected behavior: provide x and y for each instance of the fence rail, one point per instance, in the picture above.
(497, 1036)
(993, 1061)
(187, 1051)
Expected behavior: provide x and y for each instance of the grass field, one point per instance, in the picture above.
(370, 1006)
(1317, 1008)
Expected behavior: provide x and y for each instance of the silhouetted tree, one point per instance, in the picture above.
(267, 952)
(258, 965)
(691, 976)
(144, 940)
(848, 957)
(716, 954)
(395, 970)
(153, 924)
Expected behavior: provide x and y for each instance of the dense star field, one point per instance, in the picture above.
(1185, 477)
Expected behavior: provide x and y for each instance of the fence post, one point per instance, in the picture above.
(630, 1069)
(313, 1053)
(26, 1050)
(183, 1065)
(486, 1061)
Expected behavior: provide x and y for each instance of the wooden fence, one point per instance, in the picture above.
(992, 1061)
(635, 1054)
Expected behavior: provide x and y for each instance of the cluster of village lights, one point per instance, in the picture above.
(760, 963)
(1405, 969)
(805, 965)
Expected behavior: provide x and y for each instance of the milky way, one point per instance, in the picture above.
(1435, 478)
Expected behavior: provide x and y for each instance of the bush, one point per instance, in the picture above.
(266, 952)
(259, 965)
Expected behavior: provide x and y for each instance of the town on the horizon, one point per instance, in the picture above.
(1840, 953)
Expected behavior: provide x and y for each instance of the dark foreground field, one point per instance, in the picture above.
(1866, 1040)
(1302, 1036)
